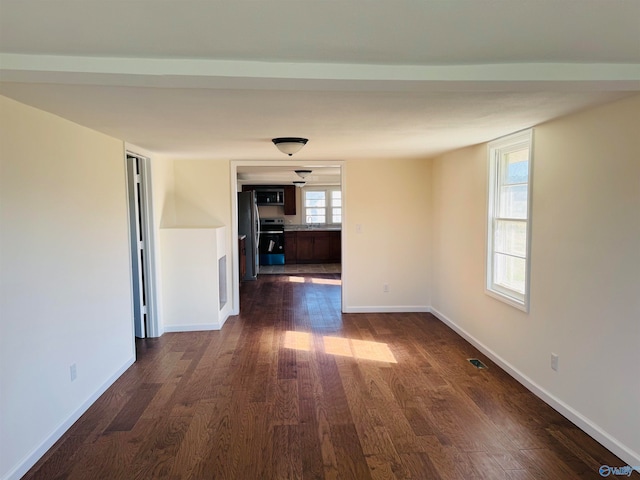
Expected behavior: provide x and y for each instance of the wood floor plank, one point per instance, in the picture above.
(54, 466)
(544, 463)
(134, 408)
(156, 456)
(350, 459)
(310, 449)
(336, 403)
(283, 399)
(446, 459)
(256, 447)
(287, 463)
(111, 454)
(193, 448)
(380, 468)
(420, 466)
(487, 466)
(292, 388)
(216, 457)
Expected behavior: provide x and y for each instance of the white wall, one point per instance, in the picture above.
(202, 193)
(163, 178)
(585, 287)
(194, 194)
(65, 278)
(193, 287)
(387, 235)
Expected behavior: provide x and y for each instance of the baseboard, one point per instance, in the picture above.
(198, 327)
(224, 315)
(32, 458)
(590, 428)
(388, 309)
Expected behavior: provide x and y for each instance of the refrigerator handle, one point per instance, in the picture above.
(257, 225)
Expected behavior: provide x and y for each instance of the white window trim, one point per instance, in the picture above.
(328, 212)
(495, 151)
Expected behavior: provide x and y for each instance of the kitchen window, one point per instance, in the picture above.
(509, 214)
(322, 205)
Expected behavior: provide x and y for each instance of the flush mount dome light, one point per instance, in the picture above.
(303, 173)
(299, 183)
(289, 145)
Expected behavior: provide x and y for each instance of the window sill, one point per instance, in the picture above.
(514, 302)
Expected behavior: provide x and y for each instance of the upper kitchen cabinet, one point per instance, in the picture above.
(289, 200)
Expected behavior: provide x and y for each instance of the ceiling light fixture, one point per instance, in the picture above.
(303, 173)
(289, 145)
(299, 183)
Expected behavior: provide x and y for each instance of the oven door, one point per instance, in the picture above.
(271, 247)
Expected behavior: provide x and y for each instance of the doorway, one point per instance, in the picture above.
(270, 173)
(141, 242)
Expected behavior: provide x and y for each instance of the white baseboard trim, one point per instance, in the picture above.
(389, 309)
(590, 428)
(225, 316)
(36, 454)
(198, 327)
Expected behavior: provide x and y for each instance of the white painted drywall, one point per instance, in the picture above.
(202, 193)
(195, 196)
(585, 271)
(387, 235)
(162, 175)
(65, 277)
(191, 286)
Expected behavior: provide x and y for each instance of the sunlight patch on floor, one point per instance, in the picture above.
(314, 280)
(361, 349)
(326, 281)
(297, 340)
(296, 279)
(344, 347)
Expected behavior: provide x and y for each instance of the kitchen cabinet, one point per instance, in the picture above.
(289, 200)
(305, 247)
(290, 248)
(317, 246)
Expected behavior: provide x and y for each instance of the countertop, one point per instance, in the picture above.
(311, 228)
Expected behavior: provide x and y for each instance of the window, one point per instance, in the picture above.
(509, 212)
(322, 205)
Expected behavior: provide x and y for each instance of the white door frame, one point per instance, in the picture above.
(235, 308)
(148, 230)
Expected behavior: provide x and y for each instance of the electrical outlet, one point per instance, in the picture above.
(73, 371)
(554, 362)
(385, 288)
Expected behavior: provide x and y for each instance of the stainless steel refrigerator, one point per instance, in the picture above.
(249, 225)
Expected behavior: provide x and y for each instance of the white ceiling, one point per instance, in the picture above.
(275, 175)
(361, 79)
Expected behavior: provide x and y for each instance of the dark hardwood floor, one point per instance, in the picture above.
(292, 388)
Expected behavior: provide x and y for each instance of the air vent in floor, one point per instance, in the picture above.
(476, 363)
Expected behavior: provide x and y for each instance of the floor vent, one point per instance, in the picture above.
(476, 363)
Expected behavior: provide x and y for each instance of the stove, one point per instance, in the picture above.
(271, 244)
